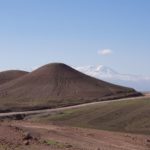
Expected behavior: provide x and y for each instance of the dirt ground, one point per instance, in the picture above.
(21, 135)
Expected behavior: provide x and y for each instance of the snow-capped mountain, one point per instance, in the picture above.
(139, 82)
(98, 71)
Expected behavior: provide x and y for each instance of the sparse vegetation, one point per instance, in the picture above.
(57, 144)
(127, 116)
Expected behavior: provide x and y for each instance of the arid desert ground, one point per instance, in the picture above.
(79, 129)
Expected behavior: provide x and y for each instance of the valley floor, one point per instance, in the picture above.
(83, 127)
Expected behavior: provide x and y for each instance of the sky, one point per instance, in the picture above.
(114, 33)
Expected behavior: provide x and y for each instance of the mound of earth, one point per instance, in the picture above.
(56, 85)
(7, 76)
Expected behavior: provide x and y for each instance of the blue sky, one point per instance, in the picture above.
(36, 32)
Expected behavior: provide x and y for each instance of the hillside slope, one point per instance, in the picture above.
(10, 75)
(124, 116)
(56, 85)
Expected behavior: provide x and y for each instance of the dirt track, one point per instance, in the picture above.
(65, 108)
(72, 138)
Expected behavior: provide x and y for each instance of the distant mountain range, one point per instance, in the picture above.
(139, 82)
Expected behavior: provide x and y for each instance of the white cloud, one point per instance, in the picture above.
(105, 52)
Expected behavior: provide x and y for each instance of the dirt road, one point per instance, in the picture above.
(69, 107)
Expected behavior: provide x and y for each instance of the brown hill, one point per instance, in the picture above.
(9, 75)
(56, 85)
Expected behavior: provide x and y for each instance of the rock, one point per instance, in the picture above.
(26, 142)
(68, 146)
(148, 140)
(27, 136)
